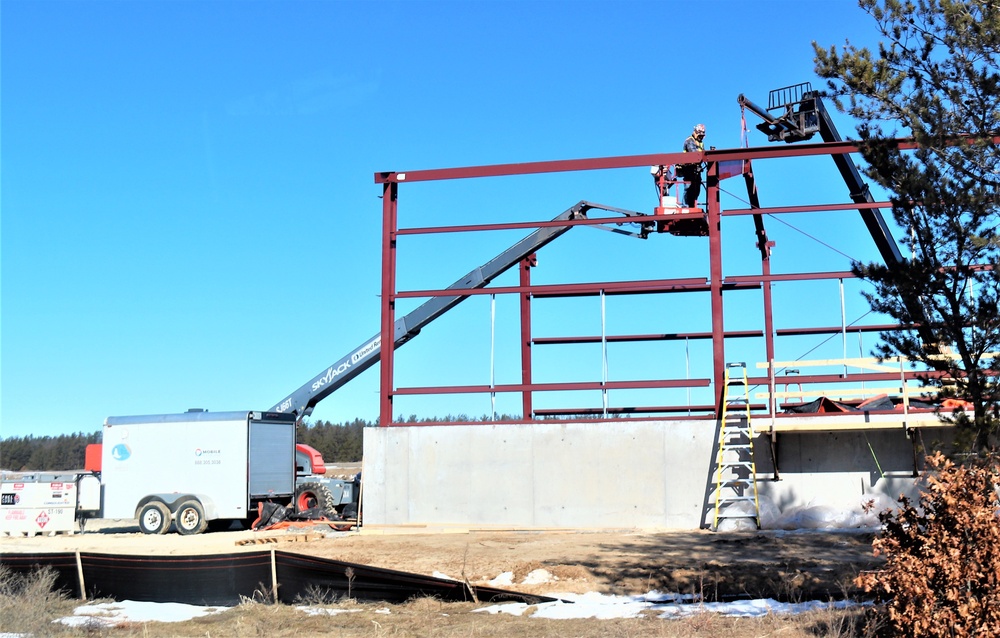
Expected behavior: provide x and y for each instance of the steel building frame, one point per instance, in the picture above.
(720, 164)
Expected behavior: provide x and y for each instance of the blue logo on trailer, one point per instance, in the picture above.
(121, 452)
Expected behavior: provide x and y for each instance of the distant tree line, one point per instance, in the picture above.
(343, 442)
(45, 453)
(337, 442)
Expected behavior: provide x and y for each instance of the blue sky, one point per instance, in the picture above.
(189, 216)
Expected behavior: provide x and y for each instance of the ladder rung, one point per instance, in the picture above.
(732, 482)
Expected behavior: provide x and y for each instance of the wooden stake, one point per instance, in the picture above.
(274, 578)
(79, 575)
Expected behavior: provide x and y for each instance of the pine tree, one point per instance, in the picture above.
(934, 78)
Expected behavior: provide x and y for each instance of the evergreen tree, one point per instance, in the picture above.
(341, 442)
(46, 453)
(934, 78)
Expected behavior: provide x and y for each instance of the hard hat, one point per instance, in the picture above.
(699, 128)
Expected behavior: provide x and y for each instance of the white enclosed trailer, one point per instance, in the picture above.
(195, 469)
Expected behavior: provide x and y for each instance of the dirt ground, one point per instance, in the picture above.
(784, 565)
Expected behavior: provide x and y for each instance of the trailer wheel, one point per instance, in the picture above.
(312, 495)
(154, 518)
(190, 518)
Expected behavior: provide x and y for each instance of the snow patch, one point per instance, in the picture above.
(539, 577)
(324, 611)
(126, 611)
(604, 606)
(506, 579)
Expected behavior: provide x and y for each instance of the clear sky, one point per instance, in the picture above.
(189, 216)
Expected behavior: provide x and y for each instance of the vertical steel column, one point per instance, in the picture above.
(715, 276)
(493, 357)
(765, 269)
(764, 245)
(772, 401)
(604, 356)
(527, 264)
(843, 324)
(389, 206)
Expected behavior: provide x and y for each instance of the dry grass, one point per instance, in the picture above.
(28, 606)
(431, 618)
(28, 603)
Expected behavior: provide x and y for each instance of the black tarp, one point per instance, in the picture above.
(825, 405)
(196, 580)
(226, 579)
(297, 574)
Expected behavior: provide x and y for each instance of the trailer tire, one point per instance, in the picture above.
(315, 495)
(190, 518)
(154, 518)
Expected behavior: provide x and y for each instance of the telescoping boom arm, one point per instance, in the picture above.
(302, 401)
(796, 113)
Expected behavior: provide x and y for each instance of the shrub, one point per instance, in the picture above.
(942, 571)
(29, 602)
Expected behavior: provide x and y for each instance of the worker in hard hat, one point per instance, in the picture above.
(691, 173)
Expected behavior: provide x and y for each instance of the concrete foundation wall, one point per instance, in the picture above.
(631, 474)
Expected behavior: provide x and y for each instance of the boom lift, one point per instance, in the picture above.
(795, 114)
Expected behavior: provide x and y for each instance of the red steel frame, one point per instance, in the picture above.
(716, 284)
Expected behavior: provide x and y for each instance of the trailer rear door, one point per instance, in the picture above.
(272, 454)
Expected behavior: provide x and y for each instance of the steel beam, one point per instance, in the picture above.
(642, 384)
(389, 212)
(525, 305)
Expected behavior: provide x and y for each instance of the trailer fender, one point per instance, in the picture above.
(211, 512)
(166, 499)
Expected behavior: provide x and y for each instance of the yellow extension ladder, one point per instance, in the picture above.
(735, 470)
